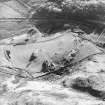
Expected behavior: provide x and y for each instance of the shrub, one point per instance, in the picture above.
(54, 14)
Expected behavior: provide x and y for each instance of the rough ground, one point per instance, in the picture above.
(52, 52)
